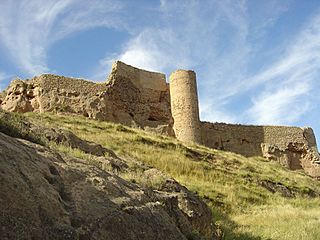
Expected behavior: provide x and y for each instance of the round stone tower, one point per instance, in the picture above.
(184, 106)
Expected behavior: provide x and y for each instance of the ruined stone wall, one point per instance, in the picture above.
(184, 105)
(142, 79)
(282, 136)
(247, 140)
(138, 96)
(131, 96)
(48, 92)
(50, 82)
(292, 147)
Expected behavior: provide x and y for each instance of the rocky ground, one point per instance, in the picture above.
(49, 195)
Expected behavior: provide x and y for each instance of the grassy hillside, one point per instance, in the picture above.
(251, 198)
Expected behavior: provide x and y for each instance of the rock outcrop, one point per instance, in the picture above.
(294, 156)
(48, 195)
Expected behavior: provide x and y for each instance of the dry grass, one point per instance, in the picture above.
(228, 182)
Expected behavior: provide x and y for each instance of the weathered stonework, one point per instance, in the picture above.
(184, 105)
(49, 92)
(136, 97)
(247, 139)
(140, 78)
(292, 147)
(131, 96)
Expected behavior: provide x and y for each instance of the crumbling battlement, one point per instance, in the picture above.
(138, 96)
(51, 82)
(293, 147)
(142, 79)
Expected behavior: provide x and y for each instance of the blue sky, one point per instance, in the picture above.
(257, 62)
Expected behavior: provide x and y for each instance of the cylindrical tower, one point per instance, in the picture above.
(184, 106)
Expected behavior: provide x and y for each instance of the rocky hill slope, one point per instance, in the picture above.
(49, 195)
(69, 177)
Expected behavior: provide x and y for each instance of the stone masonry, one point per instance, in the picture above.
(140, 98)
(293, 147)
(131, 96)
(184, 105)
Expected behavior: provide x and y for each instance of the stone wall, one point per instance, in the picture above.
(51, 82)
(48, 92)
(142, 79)
(138, 96)
(247, 139)
(131, 96)
(293, 147)
(184, 105)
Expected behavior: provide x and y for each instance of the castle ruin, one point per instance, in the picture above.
(144, 99)
(184, 106)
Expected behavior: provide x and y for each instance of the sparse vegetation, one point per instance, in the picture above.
(244, 206)
(15, 125)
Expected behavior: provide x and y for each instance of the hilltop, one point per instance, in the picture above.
(129, 158)
(139, 98)
(249, 198)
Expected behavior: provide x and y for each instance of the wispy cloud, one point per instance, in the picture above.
(221, 41)
(144, 52)
(29, 27)
(166, 44)
(281, 106)
(214, 41)
(187, 35)
(290, 82)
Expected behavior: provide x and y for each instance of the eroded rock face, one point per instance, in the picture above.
(19, 97)
(46, 195)
(131, 96)
(294, 156)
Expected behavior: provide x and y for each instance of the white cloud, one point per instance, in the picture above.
(281, 106)
(150, 50)
(185, 36)
(211, 40)
(219, 41)
(29, 27)
(215, 114)
(293, 77)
